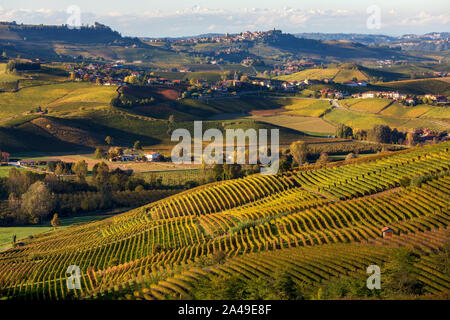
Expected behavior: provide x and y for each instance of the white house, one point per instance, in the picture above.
(152, 156)
(369, 94)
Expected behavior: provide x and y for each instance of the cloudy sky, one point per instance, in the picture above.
(173, 18)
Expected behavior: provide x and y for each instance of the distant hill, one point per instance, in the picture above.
(434, 41)
(342, 73)
(97, 33)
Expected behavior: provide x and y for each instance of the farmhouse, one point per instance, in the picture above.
(152, 156)
(387, 232)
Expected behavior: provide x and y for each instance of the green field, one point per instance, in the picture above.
(370, 105)
(308, 125)
(420, 86)
(7, 77)
(22, 232)
(62, 97)
(398, 110)
(4, 170)
(362, 120)
(309, 108)
(337, 74)
(311, 74)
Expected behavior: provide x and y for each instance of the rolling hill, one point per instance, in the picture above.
(317, 225)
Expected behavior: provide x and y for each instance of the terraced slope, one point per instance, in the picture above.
(316, 223)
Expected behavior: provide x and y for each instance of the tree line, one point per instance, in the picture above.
(33, 198)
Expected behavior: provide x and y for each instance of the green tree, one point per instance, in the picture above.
(37, 202)
(400, 274)
(380, 134)
(344, 132)
(81, 169)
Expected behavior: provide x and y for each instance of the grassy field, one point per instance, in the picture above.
(363, 120)
(421, 86)
(399, 110)
(63, 97)
(437, 112)
(337, 74)
(6, 77)
(22, 232)
(308, 108)
(4, 170)
(312, 74)
(309, 125)
(371, 105)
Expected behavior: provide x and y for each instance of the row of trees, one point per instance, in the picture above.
(379, 133)
(34, 197)
(21, 65)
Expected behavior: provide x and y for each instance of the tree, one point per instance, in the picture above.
(232, 171)
(350, 156)
(380, 134)
(399, 274)
(115, 152)
(323, 159)
(59, 170)
(137, 145)
(344, 132)
(80, 169)
(109, 140)
(99, 153)
(410, 139)
(100, 172)
(299, 151)
(56, 222)
(37, 202)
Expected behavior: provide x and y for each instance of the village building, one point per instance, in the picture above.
(152, 156)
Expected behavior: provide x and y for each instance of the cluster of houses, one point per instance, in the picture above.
(227, 38)
(395, 95)
(292, 67)
(132, 157)
(103, 73)
(335, 94)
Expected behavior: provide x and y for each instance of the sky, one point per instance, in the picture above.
(174, 18)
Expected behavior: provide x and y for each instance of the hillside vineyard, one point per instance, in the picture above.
(317, 223)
